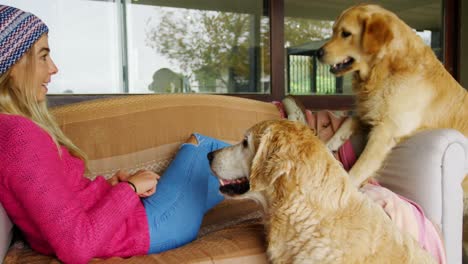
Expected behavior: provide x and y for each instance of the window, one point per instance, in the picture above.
(261, 49)
(83, 36)
(211, 47)
(308, 24)
(156, 46)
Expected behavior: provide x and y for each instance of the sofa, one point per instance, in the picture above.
(144, 132)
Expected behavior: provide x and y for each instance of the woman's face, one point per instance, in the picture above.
(44, 67)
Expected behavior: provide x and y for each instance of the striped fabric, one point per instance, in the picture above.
(19, 30)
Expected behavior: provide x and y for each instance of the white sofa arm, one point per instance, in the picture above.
(6, 232)
(429, 168)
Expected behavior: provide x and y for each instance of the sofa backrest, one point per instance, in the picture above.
(144, 131)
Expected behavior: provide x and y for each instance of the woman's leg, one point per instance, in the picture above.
(187, 190)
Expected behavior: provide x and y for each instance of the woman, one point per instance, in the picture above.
(42, 186)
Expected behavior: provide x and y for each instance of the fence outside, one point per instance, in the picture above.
(308, 76)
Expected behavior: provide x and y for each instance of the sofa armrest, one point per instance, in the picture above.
(429, 168)
(6, 232)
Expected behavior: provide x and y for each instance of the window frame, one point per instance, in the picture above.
(451, 12)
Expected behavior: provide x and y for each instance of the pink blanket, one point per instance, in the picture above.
(409, 217)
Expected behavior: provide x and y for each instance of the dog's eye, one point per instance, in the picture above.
(345, 34)
(245, 143)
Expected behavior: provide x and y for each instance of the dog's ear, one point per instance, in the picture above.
(376, 33)
(267, 168)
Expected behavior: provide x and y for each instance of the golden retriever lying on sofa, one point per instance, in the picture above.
(400, 85)
(313, 214)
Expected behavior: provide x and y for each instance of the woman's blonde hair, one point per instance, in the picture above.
(19, 98)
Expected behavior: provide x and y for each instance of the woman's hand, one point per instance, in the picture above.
(145, 182)
(119, 176)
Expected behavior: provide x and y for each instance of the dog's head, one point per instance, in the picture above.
(274, 156)
(360, 34)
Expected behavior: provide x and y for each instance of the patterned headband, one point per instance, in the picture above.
(19, 31)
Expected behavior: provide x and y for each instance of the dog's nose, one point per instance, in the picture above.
(320, 53)
(210, 156)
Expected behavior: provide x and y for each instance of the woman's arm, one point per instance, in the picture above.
(34, 173)
(143, 182)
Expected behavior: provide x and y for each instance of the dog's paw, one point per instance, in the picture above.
(294, 109)
(296, 117)
(344, 133)
(334, 143)
(337, 140)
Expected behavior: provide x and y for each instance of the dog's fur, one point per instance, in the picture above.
(401, 87)
(313, 214)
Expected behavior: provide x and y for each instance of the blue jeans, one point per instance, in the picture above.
(185, 192)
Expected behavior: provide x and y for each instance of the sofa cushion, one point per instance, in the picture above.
(242, 243)
(232, 232)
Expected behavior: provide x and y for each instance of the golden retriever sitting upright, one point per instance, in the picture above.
(313, 214)
(400, 85)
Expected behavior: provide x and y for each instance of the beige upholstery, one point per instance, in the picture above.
(6, 232)
(144, 131)
(432, 178)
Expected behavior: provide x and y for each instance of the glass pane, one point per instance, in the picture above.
(308, 24)
(84, 37)
(201, 47)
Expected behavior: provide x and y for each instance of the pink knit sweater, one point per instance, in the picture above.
(59, 211)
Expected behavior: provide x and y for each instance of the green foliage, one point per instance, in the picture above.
(298, 31)
(213, 47)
